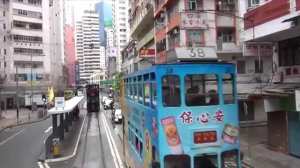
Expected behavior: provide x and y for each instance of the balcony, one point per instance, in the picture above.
(225, 21)
(141, 42)
(297, 4)
(158, 8)
(169, 2)
(143, 21)
(160, 34)
(266, 12)
(227, 47)
(174, 21)
(174, 41)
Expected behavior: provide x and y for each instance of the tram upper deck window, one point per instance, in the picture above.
(201, 90)
(140, 89)
(171, 91)
(134, 89)
(228, 89)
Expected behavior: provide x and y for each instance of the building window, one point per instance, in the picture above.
(241, 67)
(253, 2)
(5, 52)
(194, 4)
(28, 51)
(194, 37)
(4, 26)
(242, 105)
(257, 69)
(226, 35)
(4, 38)
(3, 13)
(227, 6)
(289, 51)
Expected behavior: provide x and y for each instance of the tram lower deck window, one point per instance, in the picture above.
(206, 161)
(230, 159)
(177, 161)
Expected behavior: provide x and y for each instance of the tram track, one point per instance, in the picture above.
(90, 134)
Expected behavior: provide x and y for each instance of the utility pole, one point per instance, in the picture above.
(17, 89)
(31, 80)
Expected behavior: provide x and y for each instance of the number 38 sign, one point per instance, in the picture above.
(197, 52)
(192, 53)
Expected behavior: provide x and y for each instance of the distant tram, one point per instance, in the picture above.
(181, 115)
(92, 98)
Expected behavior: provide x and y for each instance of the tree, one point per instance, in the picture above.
(116, 84)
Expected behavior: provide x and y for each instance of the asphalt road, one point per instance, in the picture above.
(21, 146)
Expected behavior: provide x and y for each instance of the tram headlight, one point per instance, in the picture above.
(205, 137)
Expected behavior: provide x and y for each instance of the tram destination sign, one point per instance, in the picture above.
(192, 53)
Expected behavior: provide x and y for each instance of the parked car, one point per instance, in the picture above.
(103, 99)
(108, 104)
(116, 116)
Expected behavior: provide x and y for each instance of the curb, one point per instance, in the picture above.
(66, 157)
(247, 164)
(245, 125)
(42, 119)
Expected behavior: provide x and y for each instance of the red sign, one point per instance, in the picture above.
(147, 53)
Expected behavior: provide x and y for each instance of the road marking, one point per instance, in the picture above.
(48, 129)
(12, 137)
(113, 142)
(110, 143)
(40, 165)
(46, 165)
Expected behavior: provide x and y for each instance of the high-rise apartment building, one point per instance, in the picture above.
(69, 31)
(142, 35)
(90, 55)
(104, 9)
(120, 27)
(111, 53)
(31, 47)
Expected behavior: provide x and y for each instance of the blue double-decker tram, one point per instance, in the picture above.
(181, 115)
(92, 98)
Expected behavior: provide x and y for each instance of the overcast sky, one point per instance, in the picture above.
(81, 5)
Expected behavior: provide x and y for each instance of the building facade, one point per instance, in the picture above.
(120, 27)
(276, 23)
(111, 53)
(31, 47)
(90, 55)
(141, 19)
(104, 9)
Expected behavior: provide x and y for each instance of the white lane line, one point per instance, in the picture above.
(46, 165)
(48, 129)
(12, 137)
(40, 164)
(113, 142)
(110, 144)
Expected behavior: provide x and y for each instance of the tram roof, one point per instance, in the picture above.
(179, 64)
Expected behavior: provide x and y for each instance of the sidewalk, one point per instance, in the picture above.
(260, 156)
(25, 116)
